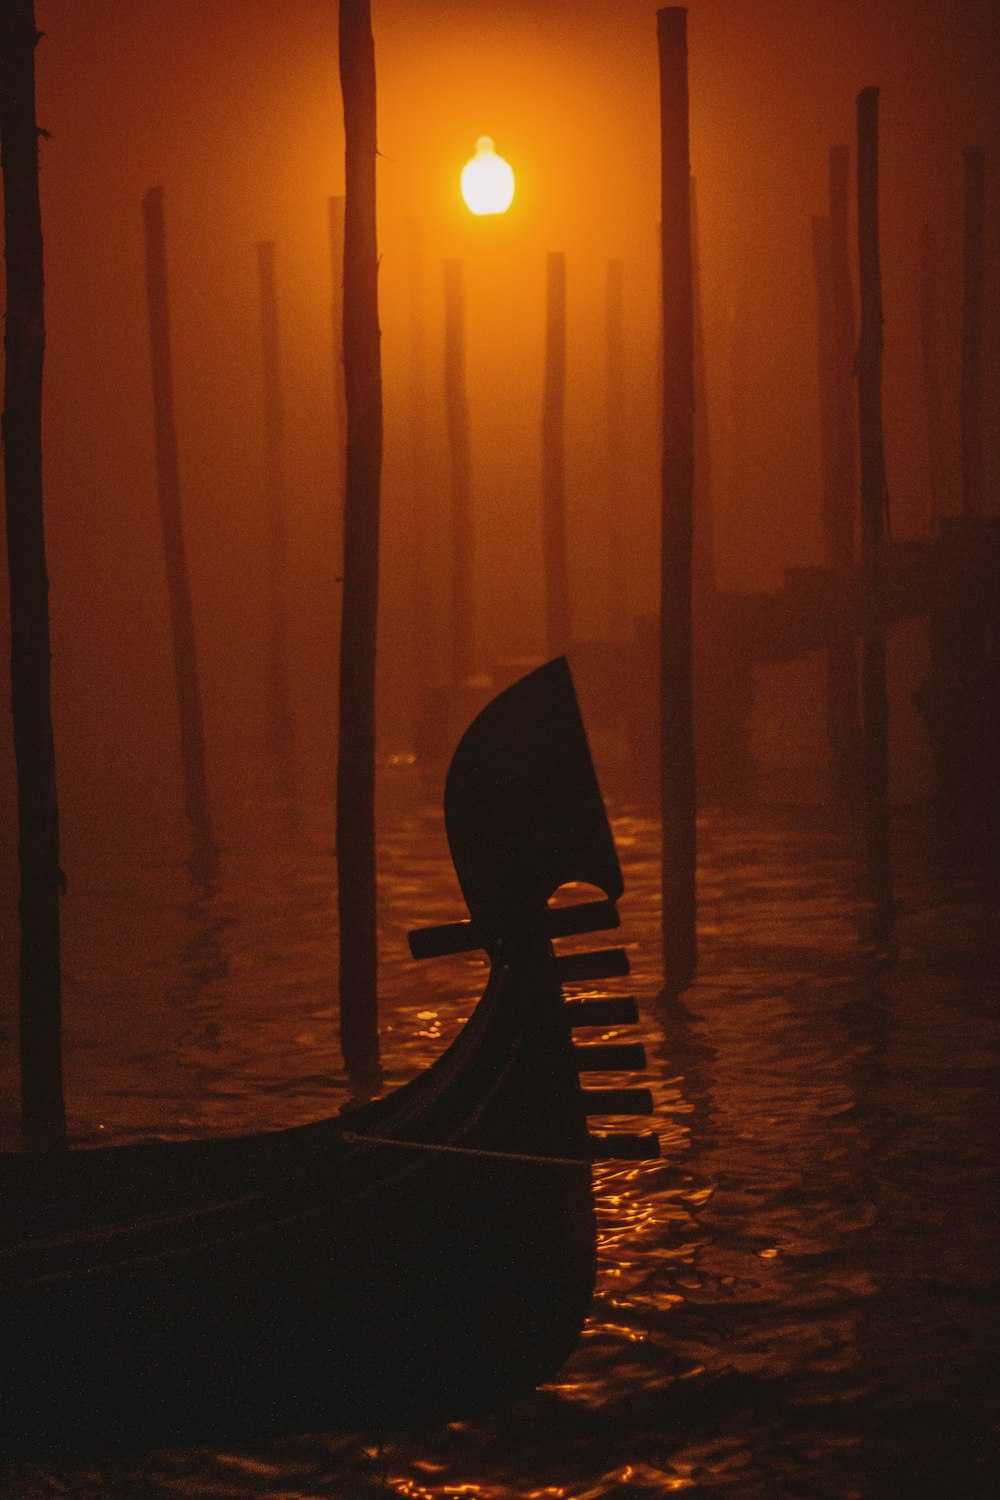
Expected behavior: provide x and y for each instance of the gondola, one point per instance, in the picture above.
(423, 1256)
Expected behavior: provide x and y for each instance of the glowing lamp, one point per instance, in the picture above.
(487, 180)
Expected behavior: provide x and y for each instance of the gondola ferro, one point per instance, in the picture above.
(424, 1256)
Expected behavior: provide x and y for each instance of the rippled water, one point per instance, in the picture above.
(798, 1300)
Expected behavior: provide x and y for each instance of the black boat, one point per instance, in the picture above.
(424, 1256)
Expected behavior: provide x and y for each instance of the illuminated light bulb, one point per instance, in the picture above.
(487, 180)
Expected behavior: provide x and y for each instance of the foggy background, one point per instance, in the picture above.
(235, 109)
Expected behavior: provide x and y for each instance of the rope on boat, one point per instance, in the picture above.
(385, 1140)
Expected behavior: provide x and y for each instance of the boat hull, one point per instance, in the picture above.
(424, 1257)
(339, 1281)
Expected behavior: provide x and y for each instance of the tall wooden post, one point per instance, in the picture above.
(421, 616)
(702, 519)
(335, 208)
(973, 285)
(931, 356)
(840, 519)
(356, 872)
(874, 522)
(617, 599)
(554, 459)
(192, 726)
(43, 1114)
(456, 406)
(677, 764)
(835, 300)
(335, 553)
(279, 695)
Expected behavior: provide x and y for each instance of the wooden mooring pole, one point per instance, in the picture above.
(677, 763)
(554, 458)
(973, 291)
(335, 207)
(703, 580)
(279, 719)
(192, 725)
(421, 633)
(931, 359)
(616, 585)
(835, 298)
(355, 838)
(456, 406)
(874, 524)
(43, 1114)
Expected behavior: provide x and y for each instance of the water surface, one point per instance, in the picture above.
(798, 1300)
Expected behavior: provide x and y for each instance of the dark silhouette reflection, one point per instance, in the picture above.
(201, 970)
(204, 959)
(686, 1051)
(203, 866)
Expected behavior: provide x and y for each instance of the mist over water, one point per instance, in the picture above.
(239, 118)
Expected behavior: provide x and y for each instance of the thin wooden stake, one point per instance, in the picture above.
(616, 590)
(835, 301)
(192, 729)
(677, 763)
(840, 519)
(335, 207)
(336, 216)
(456, 403)
(355, 839)
(931, 353)
(554, 459)
(874, 521)
(43, 1114)
(703, 581)
(421, 639)
(279, 694)
(973, 288)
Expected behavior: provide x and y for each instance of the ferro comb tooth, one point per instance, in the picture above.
(448, 937)
(618, 1101)
(465, 937)
(585, 916)
(600, 1057)
(602, 963)
(624, 1146)
(610, 1010)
